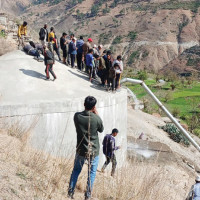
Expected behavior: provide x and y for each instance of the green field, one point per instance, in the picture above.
(179, 97)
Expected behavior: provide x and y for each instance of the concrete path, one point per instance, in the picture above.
(22, 80)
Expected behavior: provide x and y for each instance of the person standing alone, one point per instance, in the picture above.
(22, 32)
(88, 124)
(43, 34)
(109, 149)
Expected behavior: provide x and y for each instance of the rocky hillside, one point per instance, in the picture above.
(185, 64)
(149, 34)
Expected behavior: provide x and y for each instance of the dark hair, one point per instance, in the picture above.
(72, 35)
(64, 34)
(90, 102)
(51, 39)
(109, 53)
(116, 65)
(52, 28)
(81, 37)
(115, 130)
(32, 44)
(119, 57)
(105, 51)
(96, 56)
(90, 51)
(25, 24)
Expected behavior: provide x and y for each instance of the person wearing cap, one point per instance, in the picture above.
(72, 51)
(43, 35)
(63, 45)
(119, 70)
(194, 193)
(86, 46)
(22, 32)
(79, 46)
(109, 149)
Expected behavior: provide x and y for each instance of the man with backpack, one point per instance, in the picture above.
(43, 35)
(109, 149)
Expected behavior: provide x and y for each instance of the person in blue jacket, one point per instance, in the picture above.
(79, 46)
(90, 63)
(72, 51)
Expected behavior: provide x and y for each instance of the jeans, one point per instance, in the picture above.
(73, 57)
(78, 165)
(79, 61)
(34, 52)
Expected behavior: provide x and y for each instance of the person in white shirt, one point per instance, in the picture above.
(119, 70)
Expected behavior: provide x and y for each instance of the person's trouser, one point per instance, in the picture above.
(43, 42)
(117, 80)
(79, 61)
(21, 41)
(78, 165)
(107, 77)
(49, 68)
(111, 83)
(34, 52)
(73, 56)
(114, 164)
(91, 71)
(56, 50)
(68, 58)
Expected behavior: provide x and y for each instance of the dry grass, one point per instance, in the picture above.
(28, 174)
(7, 46)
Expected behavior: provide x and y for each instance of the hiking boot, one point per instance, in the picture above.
(70, 195)
(54, 79)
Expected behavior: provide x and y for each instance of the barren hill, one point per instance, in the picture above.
(149, 34)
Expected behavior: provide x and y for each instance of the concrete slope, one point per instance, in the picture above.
(27, 98)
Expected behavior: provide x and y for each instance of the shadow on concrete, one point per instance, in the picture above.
(95, 83)
(79, 75)
(33, 73)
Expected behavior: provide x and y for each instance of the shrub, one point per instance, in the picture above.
(132, 35)
(172, 86)
(175, 134)
(176, 112)
(117, 40)
(142, 75)
(132, 57)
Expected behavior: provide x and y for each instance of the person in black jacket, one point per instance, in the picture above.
(63, 45)
(43, 35)
(108, 62)
(49, 61)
